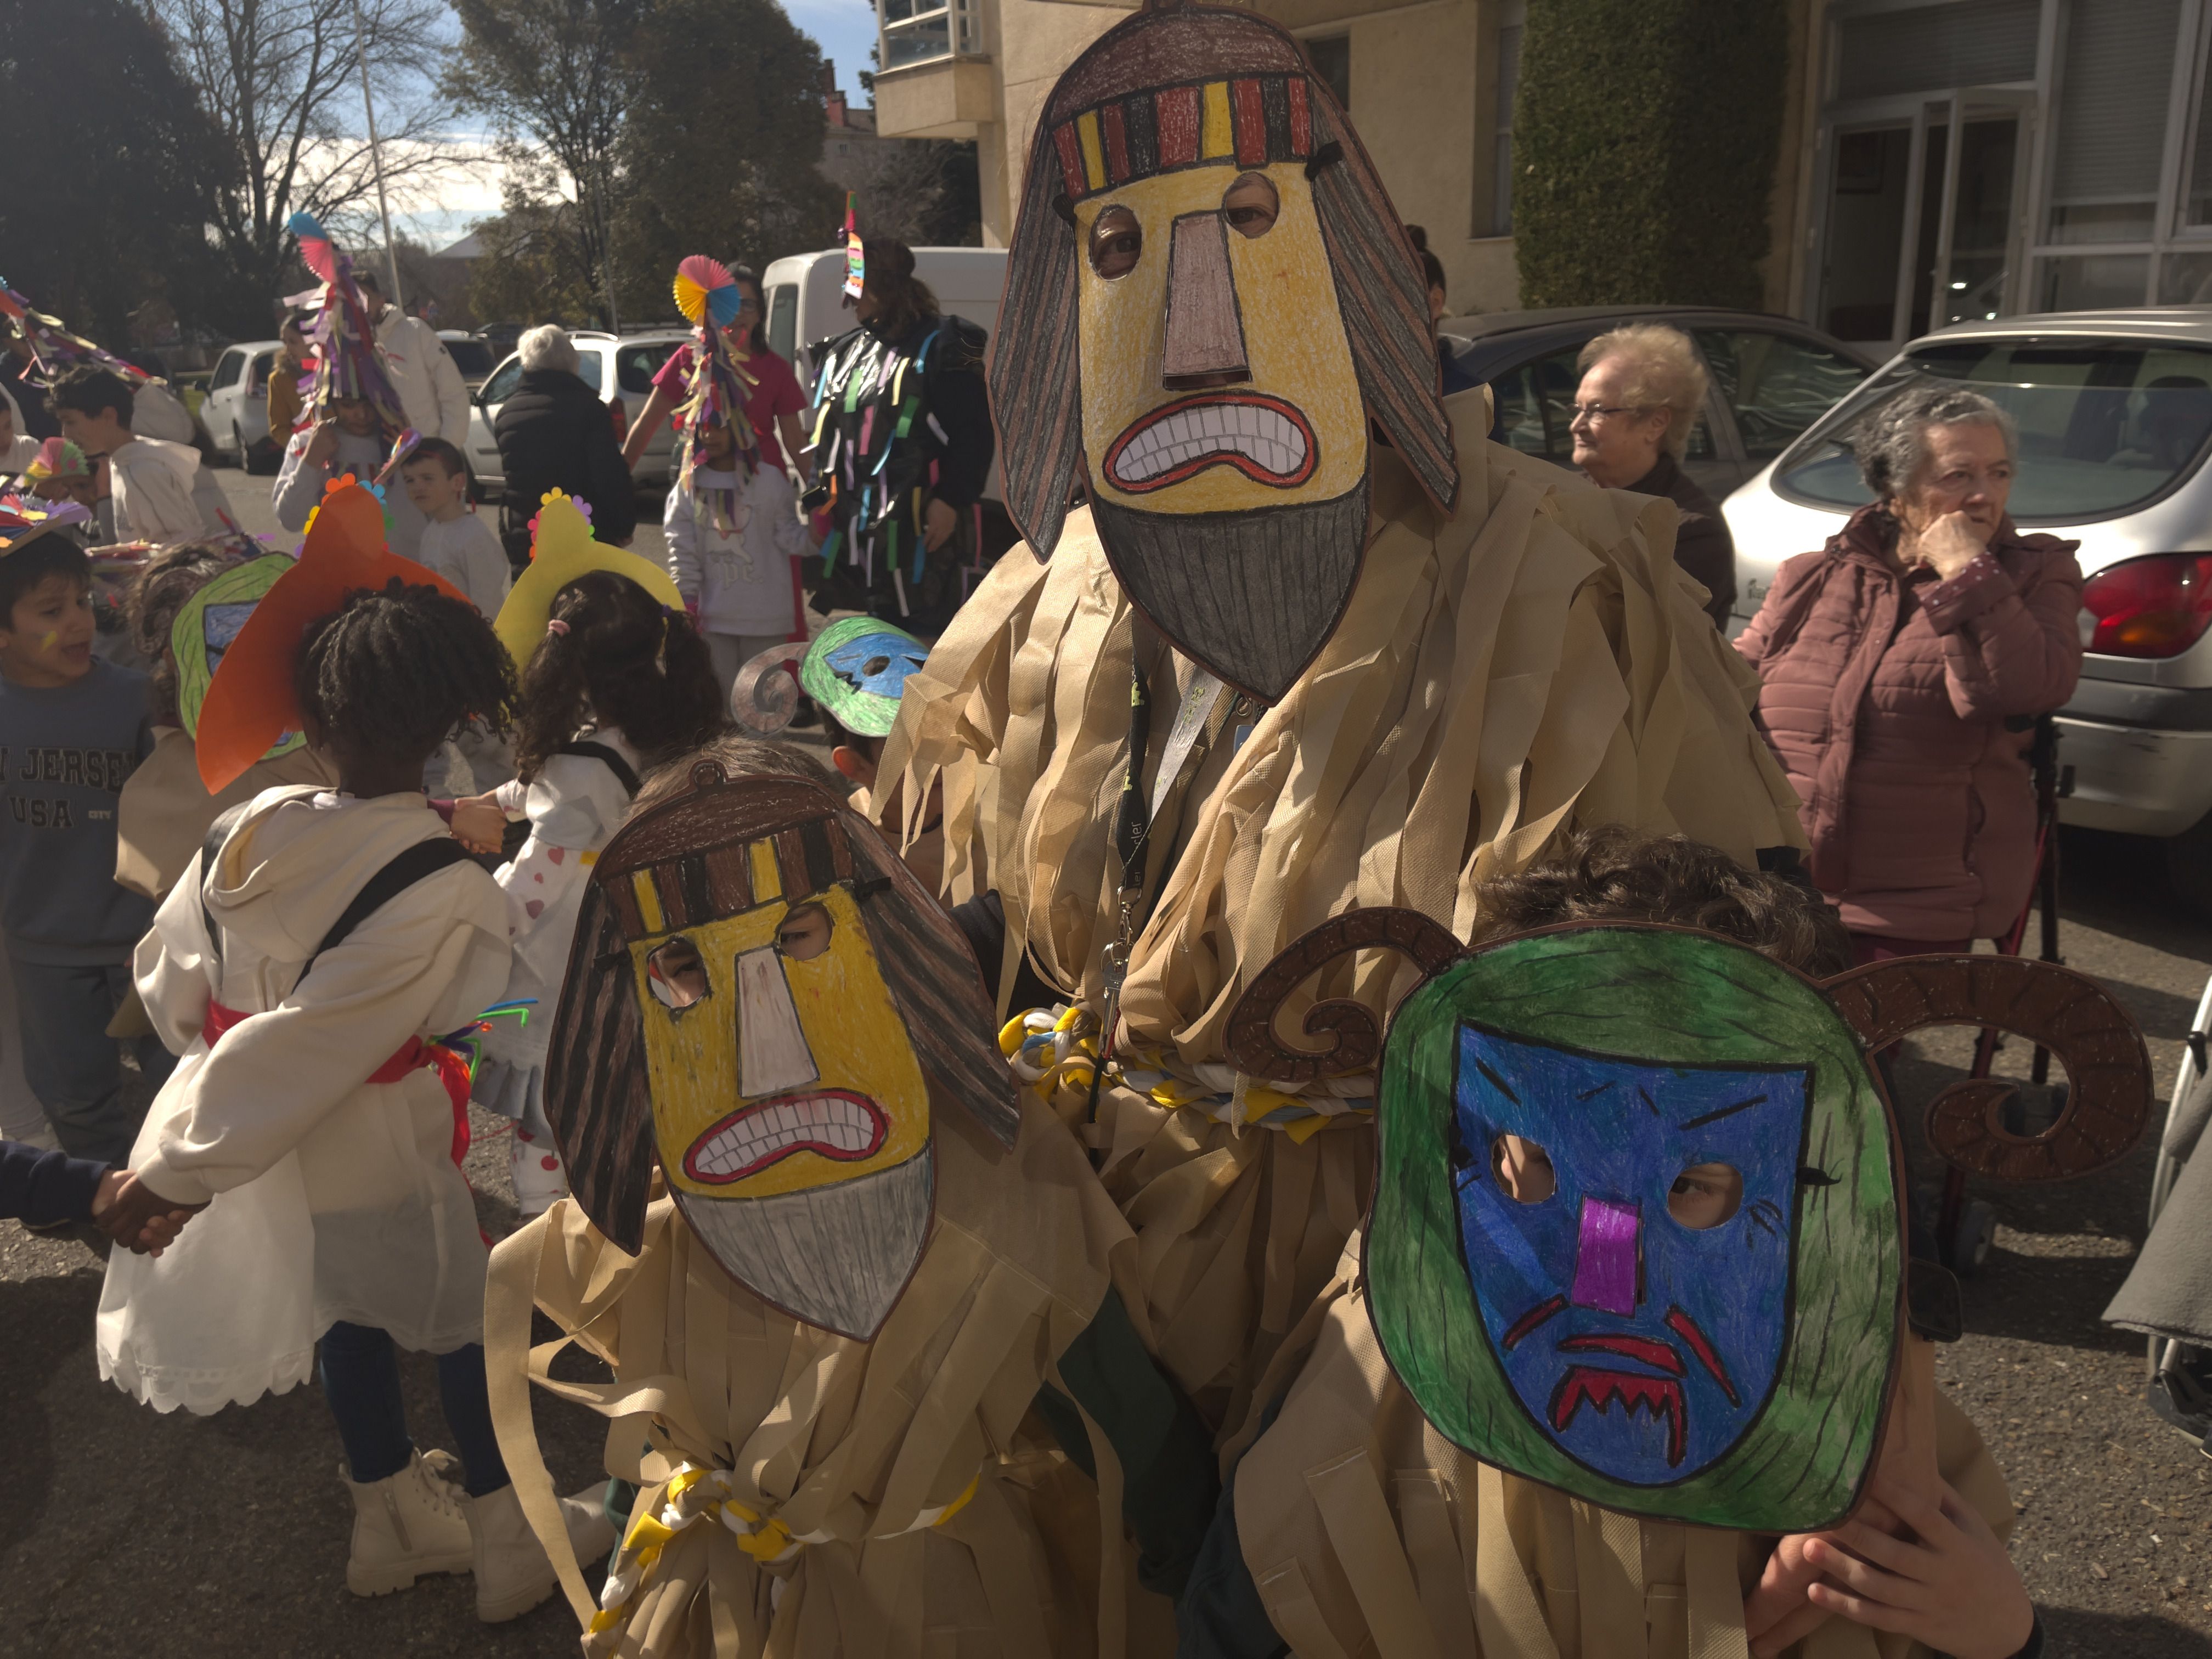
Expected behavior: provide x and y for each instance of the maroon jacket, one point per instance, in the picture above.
(1885, 697)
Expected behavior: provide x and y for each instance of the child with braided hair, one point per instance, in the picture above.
(615, 683)
(305, 967)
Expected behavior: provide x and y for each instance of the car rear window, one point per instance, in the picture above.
(636, 365)
(472, 357)
(2106, 426)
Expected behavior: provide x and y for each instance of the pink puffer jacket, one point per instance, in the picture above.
(1886, 698)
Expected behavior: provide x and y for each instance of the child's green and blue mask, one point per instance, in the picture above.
(1636, 1230)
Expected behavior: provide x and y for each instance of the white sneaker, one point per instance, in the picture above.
(412, 1523)
(514, 1572)
(540, 1178)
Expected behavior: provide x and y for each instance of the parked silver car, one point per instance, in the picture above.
(2114, 416)
(236, 409)
(619, 368)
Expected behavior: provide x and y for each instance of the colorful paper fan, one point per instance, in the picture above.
(563, 549)
(250, 703)
(207, 625)
(24, 518)
(318, 252)
(704, 288)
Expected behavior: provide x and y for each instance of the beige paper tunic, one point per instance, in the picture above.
(900, 1504)
(1534, 664)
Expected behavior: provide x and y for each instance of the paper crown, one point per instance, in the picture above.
(24, 518)
(250, 703)
(563, 549)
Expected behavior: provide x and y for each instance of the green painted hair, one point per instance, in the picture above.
(1662, 996)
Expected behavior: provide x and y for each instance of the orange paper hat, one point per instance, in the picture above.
(250, 702)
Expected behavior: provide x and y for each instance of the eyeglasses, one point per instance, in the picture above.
(1593, 413)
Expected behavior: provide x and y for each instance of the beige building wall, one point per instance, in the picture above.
(1423, 84)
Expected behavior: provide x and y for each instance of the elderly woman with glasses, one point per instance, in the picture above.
(1642, 390)
(1904, 666)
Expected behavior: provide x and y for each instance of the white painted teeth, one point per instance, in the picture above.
(830, 1122)
(1265, 435)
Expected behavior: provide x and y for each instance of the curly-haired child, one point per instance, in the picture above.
(617, 684)
(304, 967)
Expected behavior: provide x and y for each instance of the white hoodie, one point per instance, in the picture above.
(432, 393)
(333, 1197)
(154, 484)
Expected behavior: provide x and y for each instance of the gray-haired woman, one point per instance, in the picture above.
(1643, 389)
(554, 432)
(1899, 664)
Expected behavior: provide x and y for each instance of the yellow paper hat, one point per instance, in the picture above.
(562, 548)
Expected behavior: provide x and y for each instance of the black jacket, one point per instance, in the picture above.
(555, 434)
(39, 1187)
(1703, 545)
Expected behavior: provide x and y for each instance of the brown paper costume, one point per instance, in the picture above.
(829, 1335)
(1505, 654)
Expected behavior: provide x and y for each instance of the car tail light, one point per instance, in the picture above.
(2157, 607)
(621, 418)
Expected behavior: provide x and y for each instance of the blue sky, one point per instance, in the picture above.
(844, 29)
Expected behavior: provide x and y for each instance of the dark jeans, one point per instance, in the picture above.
(361, 1379)
(72, 1065)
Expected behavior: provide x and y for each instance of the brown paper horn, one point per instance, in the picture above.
(1251, 1039)
(2095, 1039)
(764, 695)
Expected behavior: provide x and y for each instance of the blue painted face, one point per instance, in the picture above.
(877, 664)
(1637, 1300)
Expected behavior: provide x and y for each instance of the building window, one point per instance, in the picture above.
(2112, 136)
(1332, 61)
(1501, 136)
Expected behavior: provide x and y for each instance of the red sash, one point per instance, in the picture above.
(453, 1068)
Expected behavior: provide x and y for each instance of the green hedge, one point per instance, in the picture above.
(1644, 142)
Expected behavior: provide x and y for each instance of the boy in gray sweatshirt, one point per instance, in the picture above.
(72, 728)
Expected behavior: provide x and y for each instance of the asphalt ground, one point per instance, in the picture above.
(122, 1530)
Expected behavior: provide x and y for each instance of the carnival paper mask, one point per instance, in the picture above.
(1636, 1230)
(1206, 253)
(206, 625)
(763, 997)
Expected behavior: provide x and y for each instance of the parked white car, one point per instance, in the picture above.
(2115, 415)
(236, 410)
(619, 368)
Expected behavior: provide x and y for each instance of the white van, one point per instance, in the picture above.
(806, 304)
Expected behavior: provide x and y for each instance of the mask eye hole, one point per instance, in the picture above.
(1704, 1195)
(1522, 1170)
(805, 933)
(1250, 204)
(676, 973)
(1116, 242)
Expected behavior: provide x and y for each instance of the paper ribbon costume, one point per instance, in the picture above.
(1600, 1330)
(562, 548)
(348, 362)
(856, 670)
(868, 1263)
(249, 706)
(1523, 662)
(716, 391)
(54, 349)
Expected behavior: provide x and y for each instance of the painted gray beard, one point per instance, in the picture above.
(837, 1255)
(1253, 595)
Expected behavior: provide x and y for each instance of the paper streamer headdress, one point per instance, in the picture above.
(856, 669)
(716, 391)
(54, 349)
(856, 259)
(24, 518)
(209, 623)
(58, 457)
(562, 548)
(348, 363)
(1637, 1229)
(764, 1001)
(250, 703)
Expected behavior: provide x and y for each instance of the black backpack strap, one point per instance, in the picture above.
(421, 860)
(210, 849)
(625, 774)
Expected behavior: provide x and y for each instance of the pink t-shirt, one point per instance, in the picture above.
(775, 392)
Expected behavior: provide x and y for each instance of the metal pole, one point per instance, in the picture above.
(376, 155)
(607, 247)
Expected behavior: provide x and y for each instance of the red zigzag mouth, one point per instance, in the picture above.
(1587, 1385)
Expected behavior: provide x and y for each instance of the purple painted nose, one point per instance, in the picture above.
(1604, 1259)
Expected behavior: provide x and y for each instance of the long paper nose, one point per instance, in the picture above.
(772, 1052)
(1204, 335)
(1606, 1257)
